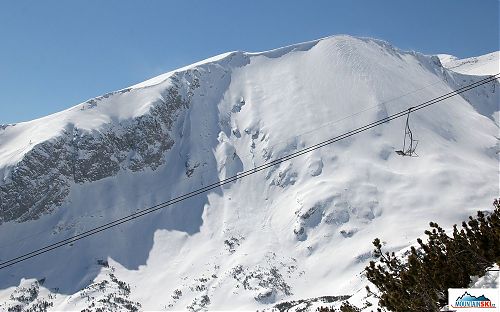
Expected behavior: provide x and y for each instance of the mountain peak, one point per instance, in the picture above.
(263, 238)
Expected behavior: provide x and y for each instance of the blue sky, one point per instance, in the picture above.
(55, 54)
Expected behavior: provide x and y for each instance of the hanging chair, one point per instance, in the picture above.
(412, 143)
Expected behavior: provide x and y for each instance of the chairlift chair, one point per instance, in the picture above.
(412, 145)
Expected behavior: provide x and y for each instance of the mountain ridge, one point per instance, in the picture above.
(232, 115)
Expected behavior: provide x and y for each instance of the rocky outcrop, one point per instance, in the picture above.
(41, 180)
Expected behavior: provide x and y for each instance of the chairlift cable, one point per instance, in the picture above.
(241, 175)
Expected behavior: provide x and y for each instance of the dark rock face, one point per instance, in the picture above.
(41, 180)
(38, 182)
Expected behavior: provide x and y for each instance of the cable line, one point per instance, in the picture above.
(241, 175)
(199, 171)
(245, 156)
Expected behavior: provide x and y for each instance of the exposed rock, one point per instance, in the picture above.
(305, 304)
(28, 299)
(40, 182)
(267, 282)
(109, 295)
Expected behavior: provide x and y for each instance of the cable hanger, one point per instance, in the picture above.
(412, 143)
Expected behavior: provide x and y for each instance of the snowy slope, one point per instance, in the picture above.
(301, 229)
(488, 64)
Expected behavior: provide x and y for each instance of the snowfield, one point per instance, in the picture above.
(301, 229)
(487, 64)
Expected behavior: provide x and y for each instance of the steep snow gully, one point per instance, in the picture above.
(300, 229)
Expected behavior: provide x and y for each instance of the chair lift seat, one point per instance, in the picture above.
(410, 151)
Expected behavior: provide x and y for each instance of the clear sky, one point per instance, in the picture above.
(56, 54)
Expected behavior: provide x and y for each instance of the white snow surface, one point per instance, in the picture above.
(307, 223)
(488, 64)
(490, 280)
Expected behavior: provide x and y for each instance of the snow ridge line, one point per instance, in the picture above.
(243, 174)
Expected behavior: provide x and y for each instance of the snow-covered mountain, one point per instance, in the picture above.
(300, 229)
(487, 64)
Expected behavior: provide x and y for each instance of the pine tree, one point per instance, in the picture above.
(420, 282)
